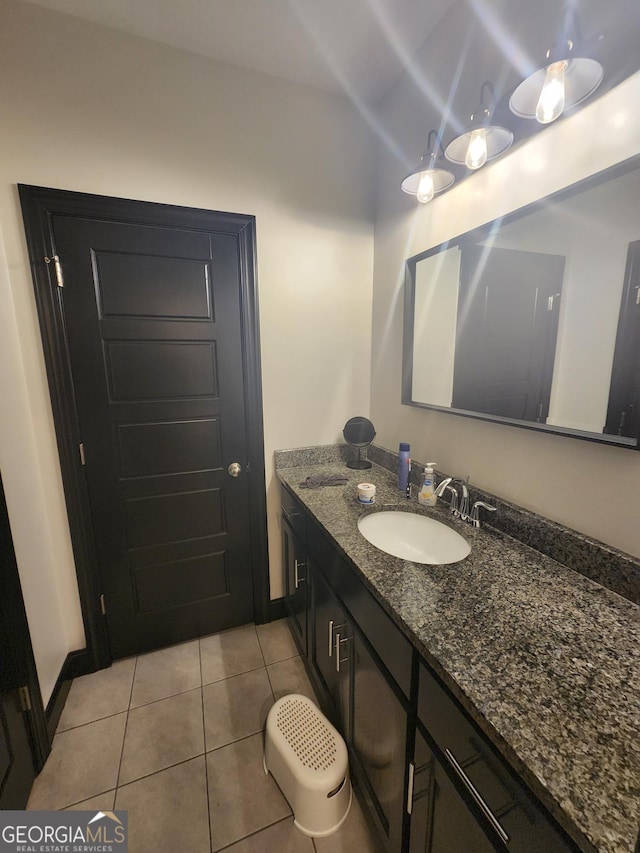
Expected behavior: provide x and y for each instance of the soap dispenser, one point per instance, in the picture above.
(427, 493)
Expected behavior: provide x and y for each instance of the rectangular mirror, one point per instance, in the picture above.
(534, 319)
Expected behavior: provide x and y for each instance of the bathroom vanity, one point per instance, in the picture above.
(490, 704)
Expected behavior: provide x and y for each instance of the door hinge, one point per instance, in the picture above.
(81, 449)
(103, 606)
(25, 698)
(55, 260)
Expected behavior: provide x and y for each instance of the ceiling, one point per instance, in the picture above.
(358, 47)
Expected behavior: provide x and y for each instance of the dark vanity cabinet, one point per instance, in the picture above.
(362, 697)
(379, 741)
(440, 818)
(488, 789)
(430, 778)
(331, 649)
(296, 569)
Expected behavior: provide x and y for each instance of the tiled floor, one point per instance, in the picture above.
(175, 737)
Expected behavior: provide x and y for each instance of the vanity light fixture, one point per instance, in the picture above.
(482, 140)
(427, 179)
(564, 80)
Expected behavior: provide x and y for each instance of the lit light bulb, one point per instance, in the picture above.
(551, 100)
(425, 191)
(477, 150)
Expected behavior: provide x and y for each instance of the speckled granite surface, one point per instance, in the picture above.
(544, 659)
(605, 565)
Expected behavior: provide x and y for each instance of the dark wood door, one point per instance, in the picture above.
(506, 332)
(23, 740)
(623, 412)
(153, 329)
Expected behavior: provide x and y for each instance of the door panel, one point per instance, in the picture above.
(23, 745)
(623, 411)
(440, 819)
(379, 741)
(506, 332)
(152, 319)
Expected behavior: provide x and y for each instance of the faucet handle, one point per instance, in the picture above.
(453, 507)
(475, 512)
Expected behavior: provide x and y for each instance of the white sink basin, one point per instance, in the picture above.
(413, 537)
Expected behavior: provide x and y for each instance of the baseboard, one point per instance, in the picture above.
(75, 664)
(276, 609)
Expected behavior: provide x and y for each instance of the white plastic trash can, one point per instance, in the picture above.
(308, 759)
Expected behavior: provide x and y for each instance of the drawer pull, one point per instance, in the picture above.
(412, 771)
(332, 627)
(290, 516)
(339, 641)
(476, 796)
(297, 565)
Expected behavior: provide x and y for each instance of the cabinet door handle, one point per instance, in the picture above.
(332, 627)
(296, 568)
(493, 820)
(412, 771)
(289, 516)
(339, 641)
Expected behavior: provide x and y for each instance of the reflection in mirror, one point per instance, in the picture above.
(535, 319)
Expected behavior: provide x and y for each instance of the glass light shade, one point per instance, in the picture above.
(581, 78)
(441, 179)
(497, 139)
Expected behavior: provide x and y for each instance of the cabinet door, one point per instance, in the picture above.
(379, 742)
(296, 583)
(517, 818)
(331, 651)
(440, 819)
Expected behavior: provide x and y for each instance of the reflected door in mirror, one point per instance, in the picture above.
(508, 309)
(623, 413)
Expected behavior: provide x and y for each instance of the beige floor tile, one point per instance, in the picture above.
(276, 641)
(354, 834)
(230, 653)
(100, 694)
(282, 837)
(161, 734)
(242, 798)
(103, 803)
(166, 673)
(168, 811)
(83, 763)
(290, 676)
(236, 707)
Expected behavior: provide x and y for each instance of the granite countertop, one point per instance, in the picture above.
(545, 660)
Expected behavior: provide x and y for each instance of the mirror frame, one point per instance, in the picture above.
(474, 236)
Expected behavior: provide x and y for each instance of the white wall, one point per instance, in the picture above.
(85, 108)
(588, 487)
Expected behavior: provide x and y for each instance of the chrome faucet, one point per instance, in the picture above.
(474, 518)
(445, 486)
(463, 511)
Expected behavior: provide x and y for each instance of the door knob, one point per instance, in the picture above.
(235, 469)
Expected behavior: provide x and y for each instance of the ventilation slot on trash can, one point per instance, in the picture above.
(308, 759)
